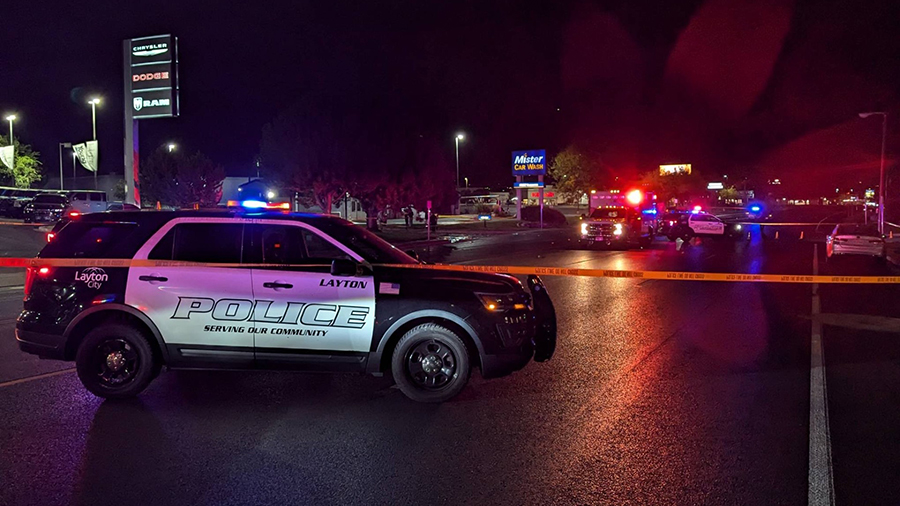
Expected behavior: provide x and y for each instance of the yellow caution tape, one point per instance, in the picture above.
(496, 269)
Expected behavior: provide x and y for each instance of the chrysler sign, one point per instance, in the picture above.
(151, 82)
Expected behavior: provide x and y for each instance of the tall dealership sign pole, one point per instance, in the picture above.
(151, 91)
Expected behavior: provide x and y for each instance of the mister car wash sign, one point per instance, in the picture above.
(529, 163)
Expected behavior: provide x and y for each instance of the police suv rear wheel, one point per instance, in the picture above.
(115, 361)
(430, 363)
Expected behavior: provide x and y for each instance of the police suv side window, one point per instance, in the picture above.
(277, 244)
(320, 250)
(288, 245)
(201, 242)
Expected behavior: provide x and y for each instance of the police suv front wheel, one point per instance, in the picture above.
(430, 363)
(115, 361)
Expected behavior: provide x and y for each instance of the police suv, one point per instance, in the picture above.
(702, 224)
(269, 291)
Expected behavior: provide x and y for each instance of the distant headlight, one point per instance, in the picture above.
(737, 227)
(584, 228)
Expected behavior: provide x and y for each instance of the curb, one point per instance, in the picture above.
(421, 244)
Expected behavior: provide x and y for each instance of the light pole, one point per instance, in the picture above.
(94, 102)
(11, 118)
(61, 146)
(883, 115)
(467, 181)
(458, 138)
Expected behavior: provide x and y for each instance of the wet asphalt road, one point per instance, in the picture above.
(660, 392)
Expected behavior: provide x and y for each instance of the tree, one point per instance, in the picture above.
(119, 192)
(574, 173)
(26, 165)
(672, 186)
(307, 149)
(729, 193)
(180, 180)
(322, 147)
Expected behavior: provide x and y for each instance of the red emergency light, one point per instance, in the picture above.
(634, 197)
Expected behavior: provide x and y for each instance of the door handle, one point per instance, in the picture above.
(273, 284)
(153, 278)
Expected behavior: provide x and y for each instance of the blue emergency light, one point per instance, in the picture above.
(253, 204)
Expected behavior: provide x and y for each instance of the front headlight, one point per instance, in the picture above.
(737, 227)
(500, 302)
(584, 228)
(617, 229)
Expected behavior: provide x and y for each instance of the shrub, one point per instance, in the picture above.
(552, 217)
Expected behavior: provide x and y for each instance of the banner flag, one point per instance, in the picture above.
(87, 153)
(6, 155)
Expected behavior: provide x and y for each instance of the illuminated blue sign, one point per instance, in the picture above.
(529, 163)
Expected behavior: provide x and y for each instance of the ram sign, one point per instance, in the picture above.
(529, 163)
(152, 80)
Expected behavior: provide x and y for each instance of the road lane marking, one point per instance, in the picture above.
(820, 491)
(36, 377)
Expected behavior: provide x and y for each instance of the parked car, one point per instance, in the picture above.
(17, 204)
(122, 206)
(855, 239)
(45, 208)
(87, 201)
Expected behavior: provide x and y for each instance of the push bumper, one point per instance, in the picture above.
(539, 344)
(545, 320)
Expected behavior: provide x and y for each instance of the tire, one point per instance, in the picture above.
(447, 369)
(685, 233)
(121, 354)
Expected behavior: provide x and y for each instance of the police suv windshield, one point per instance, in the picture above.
(369, 246)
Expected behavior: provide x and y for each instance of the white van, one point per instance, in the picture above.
(87, 201)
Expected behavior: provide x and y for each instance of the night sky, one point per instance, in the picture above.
(758, 88)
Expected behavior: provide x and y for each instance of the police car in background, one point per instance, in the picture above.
(291, 291)
(701, 224)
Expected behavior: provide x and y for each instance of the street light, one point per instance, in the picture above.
(94, 102)
(458, 138)
(883, 115)
(11, 118)
(171, 147)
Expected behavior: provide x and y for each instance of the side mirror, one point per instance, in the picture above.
(343, 267)
(412, 253)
